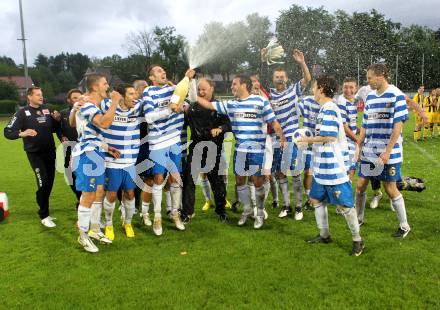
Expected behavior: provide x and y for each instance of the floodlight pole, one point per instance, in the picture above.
(23, 40)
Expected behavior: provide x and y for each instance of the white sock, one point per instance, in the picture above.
(307, 191)
(157, 199)
(244, 197)
(95, 217)
(109, 208)
(176, 196)
(284, 187)
(274, 189)
(145, 207)
(252, 194)
(84, 218)
(168, 202)
(352, 222)
(130, 207)
(321, 217)
(297, 190)
(361, 199)
(399, 206)
(206, 189)
(261, 195)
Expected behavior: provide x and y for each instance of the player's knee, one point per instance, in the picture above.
(343, 210)
(111, 196)
(361, 185)
(391, 189)
(129, 195)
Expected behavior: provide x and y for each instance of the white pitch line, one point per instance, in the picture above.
(426, 154)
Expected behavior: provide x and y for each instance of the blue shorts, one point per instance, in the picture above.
(89, 169)
(308, 161)
(287, 159)
(340, 195)
(387, 173)
(168, 159)
(248, 164)
(144, 169)
(116, 179)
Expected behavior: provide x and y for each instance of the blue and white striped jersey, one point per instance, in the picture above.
(381, 113)
(286, 109)
(123, 134)
(248, 120)
(349, 116)
(330, 159)
(309, 110)
(164, 128)
(91, 137)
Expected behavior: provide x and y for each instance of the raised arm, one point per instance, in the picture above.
(298, 56)
(105, 120)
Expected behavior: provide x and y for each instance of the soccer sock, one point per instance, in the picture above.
(274, 188)
(206, 189)
(130, 207)
(157, 199)
(399, 206)
(95, 217)
(284, 187)
(261, 195)
(145, 207)
(168, 202)
(176, 196)
(109, 208)
(243, 195)
(307, 191)
(84, 219)
(416, 135)
(352, 222)
(297, 190)
(361, 199)
(252, 194)
(321, 216)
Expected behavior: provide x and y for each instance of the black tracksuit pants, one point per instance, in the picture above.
(43, 164)
(217, 183)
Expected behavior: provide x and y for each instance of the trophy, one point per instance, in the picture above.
(273, 52)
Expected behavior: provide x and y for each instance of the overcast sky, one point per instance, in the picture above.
(99, 28)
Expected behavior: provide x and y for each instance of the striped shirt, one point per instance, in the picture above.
(309, 109)
(330, 159)
(285, 107)
(248, 120)
(91, 137)
(164, 126)
(381, 113)
(349, 116)
(123, 134)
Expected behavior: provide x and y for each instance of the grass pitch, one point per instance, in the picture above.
(225, 266)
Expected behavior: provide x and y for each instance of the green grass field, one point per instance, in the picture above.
(225, 266)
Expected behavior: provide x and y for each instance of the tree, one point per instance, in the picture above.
(8, 90)
(77, 63)
(41, 61)
(309, 30)
(171, 47)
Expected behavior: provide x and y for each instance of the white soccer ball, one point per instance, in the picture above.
(299, 133)
(4, 206)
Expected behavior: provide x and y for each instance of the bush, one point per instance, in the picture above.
(8, 90)
(8, 106)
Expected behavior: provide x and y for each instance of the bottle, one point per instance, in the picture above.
(180, 92)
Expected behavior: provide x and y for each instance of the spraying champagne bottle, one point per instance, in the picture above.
(180, 92)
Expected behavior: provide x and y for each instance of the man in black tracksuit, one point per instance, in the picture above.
(36, 125)
(69, 137)
(205, 125)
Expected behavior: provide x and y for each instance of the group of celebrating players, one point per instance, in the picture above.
(134, 140)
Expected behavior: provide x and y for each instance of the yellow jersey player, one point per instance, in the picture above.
(430, 104)
(419, 98)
